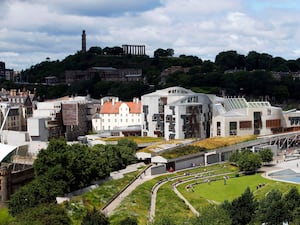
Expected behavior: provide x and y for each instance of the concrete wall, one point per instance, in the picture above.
(159, 169)
(11, 181)
(188, 163)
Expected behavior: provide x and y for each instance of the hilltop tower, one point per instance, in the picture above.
(83, 42)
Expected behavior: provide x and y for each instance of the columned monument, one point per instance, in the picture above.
(134, 49)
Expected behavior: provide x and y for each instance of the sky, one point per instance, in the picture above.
(33, 30)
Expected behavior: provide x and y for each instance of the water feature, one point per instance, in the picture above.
(286, 175)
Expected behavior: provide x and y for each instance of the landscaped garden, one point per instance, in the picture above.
(214, 192)
(98, 197)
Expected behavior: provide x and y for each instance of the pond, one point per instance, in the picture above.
(286, 175)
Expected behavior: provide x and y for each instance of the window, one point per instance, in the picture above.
(218, 128)
(273, 123)
(232, 128)
(154, 118)
(245, 125)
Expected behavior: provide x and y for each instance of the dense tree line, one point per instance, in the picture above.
(63, 168)
(230, 73)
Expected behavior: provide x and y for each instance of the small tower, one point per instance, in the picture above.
(83, 40)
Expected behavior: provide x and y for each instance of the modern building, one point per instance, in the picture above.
(117, 117)
(176, 113)
(236, 116)
(68, 116)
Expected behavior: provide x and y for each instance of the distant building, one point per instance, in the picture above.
(15, 108)
(279, 75)
(51, 80)
(2, 69)
(9, 74)
(171, 70)
(104, 74)
(138, 50)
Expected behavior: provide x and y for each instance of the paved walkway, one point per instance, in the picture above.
(108, 210)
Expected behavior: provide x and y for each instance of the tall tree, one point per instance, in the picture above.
(292, 203)
(249, 162)
(266, 155)
(272, 209)
(243, 208)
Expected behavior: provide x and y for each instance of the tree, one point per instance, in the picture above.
(44, 214)
(229, 60)
(243, 208)
(271, 209)
(292, 203)
(249, 162)
(266, 155)
(95, 217)
(213, 214)
(95, 50)
(163, 52)
(234, 157)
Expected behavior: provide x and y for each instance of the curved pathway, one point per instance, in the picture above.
(174, 187)
(110, 207)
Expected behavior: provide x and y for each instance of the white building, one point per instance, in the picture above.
(115, 115)
(47, 109)
(176, 113)
(236, 116)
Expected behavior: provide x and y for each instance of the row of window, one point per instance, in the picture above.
(244, 125)
(118, 115)
(116, 120)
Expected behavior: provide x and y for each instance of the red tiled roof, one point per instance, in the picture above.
(110, 108)
(134, 107)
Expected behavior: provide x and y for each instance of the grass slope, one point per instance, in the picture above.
(217, 192)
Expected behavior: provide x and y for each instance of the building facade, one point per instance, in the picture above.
(118, 117)
(104, 74)
(236, 116)
(176, 113)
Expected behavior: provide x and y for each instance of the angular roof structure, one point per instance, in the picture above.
(5, 150)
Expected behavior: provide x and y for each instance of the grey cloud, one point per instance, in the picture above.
(102, 7)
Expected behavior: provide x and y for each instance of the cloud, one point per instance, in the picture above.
(101, 7)
(31, 30)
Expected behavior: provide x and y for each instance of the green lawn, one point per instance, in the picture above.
(168, 203)
(218, 192)
(5, 218)
(135, 205)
